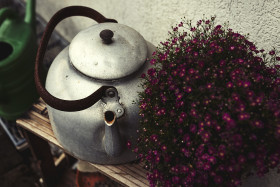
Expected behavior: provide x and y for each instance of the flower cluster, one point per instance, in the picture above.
(210, 110)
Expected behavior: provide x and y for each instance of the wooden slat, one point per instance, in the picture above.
(39, 124)
(120, 176)
(34, 129)
(38, 115)
(39, 107)
(139, 175)
(135, 170)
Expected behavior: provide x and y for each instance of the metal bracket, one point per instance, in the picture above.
(111, 102)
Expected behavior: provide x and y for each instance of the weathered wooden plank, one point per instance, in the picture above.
(112, 175)
(38, 115)
(41, 122)
(40, 128)
(39, 106)
(139, 168)
(137, 171)
(123, 175)
(46, 136)
(117, 175)
(139, 175)
(35, 127)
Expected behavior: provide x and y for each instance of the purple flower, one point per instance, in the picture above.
(128, 144)
(226, 117)
(222, 62)
(191, 71)
(180, 96)
(240, 61)
(193, 128)
(181, 24)
(193, 29)
(187, 89)
(219, 49)
(272, 52)
(205, 136)
(175, 180)
(172, 87)
(252, 48)
(154, 137)
(218, 179)
(246, 84)
(241, 159)
(188, 49)
(213, 44)
(152, 61)
(143, 106)
(212, 159)
(243, 116)
(229, 84)
(152, 72)
(231, 48)
(258, 124)
(207, 166)
(148, 91)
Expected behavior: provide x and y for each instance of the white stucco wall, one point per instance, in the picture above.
(153, 18)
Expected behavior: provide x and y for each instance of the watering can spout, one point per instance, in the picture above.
(112, 140)
(30, 12)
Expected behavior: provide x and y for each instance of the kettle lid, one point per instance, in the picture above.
(108, 51)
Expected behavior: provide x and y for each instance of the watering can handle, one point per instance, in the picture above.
(6, 13)
(60, 104)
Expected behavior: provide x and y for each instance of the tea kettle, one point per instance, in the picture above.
(17, 57)
(91, 86)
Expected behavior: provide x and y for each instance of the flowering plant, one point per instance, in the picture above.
(210, 108)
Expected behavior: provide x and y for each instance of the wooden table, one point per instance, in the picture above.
(39, 131)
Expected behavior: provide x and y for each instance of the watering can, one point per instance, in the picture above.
(17, 56)
(91, 86)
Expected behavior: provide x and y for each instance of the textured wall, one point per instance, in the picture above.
(260, 18)
(153, 18)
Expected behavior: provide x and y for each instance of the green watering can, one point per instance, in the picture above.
(17, 56)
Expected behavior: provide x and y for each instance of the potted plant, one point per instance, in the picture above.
(210, 108)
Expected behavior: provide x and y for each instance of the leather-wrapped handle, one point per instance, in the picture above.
(60, 104)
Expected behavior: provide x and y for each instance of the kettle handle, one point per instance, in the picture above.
(60, 104)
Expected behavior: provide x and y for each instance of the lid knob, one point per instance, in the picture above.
(106, 35)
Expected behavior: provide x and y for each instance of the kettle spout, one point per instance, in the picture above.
(113, 143)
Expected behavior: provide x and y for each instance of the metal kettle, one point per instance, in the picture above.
(91, 86)
(17, 57)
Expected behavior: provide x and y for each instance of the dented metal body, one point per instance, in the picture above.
(99, 133)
